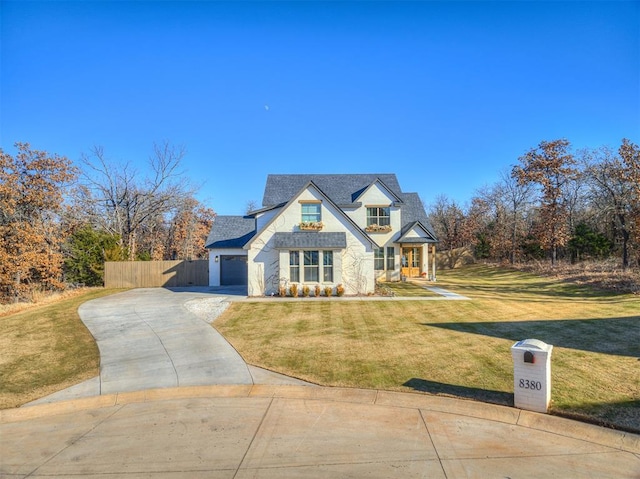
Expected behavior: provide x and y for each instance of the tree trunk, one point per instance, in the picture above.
(16, 287)
(514, 236)
(625, 250)
(131, 245)
(625, 242)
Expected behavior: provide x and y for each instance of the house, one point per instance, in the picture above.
(325, 230)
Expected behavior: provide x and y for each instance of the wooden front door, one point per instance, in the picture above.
(411, 260)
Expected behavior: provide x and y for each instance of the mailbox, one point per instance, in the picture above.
(531, 374)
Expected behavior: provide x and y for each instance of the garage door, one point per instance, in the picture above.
(233, 270)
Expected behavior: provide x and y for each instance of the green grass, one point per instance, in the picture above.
(408, 289)
(46, 348)
(459, 348)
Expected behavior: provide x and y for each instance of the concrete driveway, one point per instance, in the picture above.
(148, 338)
(160, 338)
(151, 340)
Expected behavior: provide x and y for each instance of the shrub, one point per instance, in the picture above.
(282, 291)
(317, 290)
(340, 290)
(294, 290)
(305, 291)
(384, 290)
(327, 291)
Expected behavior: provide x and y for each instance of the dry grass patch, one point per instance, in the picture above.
(38, 299)
(46, 348)
(459, 348)
(606, 275)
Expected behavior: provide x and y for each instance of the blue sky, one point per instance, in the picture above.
(444, 94)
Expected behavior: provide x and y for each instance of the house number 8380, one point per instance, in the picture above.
(526, 384)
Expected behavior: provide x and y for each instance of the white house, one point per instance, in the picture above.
(326, 230)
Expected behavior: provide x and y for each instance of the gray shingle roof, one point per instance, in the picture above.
(412, 211)
(231, 232)
(310, 239)
(342, 189)
(413, 241)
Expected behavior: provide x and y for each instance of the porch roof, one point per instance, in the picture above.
(310, 239)
(413, 240)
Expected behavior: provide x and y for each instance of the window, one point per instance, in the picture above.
(415, 257)
(315, 265)
(294, 266)
(380, 216)
(311, 266)
(311, 213)
(327, 266)
(378, 259)
(391, 253)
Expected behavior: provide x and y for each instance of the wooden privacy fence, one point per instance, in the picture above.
(153, 274)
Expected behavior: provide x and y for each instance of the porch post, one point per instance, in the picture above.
(433, 274)
(425, 248)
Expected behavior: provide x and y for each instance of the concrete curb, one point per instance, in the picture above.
(622, 441)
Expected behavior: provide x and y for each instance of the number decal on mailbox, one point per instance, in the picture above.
(534, 385)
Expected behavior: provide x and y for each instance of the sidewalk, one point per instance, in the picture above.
(255, 431)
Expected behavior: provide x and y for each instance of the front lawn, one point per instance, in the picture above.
(46, 348)
(459, 348)
(407, 289)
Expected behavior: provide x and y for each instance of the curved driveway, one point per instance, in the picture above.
(149, 339)
(154, 338)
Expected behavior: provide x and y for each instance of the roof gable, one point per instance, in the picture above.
(393, 197)
(341, 189)
(310, 184)
(413, 211)
(416, 232)
(344, 191)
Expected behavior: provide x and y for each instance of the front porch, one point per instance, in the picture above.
(418, 261)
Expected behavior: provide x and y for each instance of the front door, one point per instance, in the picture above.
(411, 260)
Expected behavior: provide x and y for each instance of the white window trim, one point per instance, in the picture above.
(301, 266)
(317, 216)
(378, 217)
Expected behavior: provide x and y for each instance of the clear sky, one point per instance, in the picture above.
(444, 94)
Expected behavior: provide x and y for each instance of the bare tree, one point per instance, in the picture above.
(446, 217)
(517, 198)
(609, 194)
(251, 206)
(448, 221)
(119, 200)
(188, 232)
(630, 154)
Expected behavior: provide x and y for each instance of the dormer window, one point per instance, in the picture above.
(378, 215)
